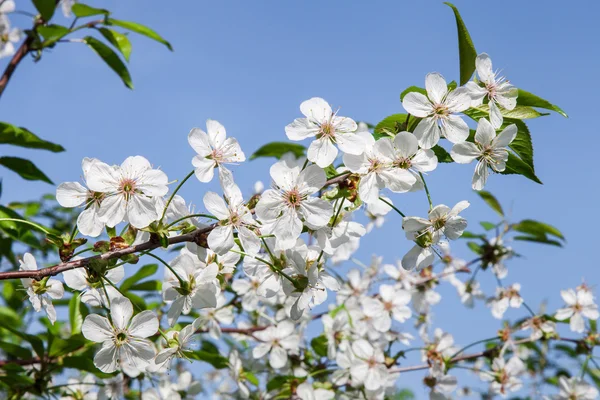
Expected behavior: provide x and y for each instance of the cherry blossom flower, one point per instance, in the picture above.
(131, 190)
(311, 281)
(214, 150)
(305, 391)
(74, 194)
(194, 286)
(391, 303)
(505, 297)
(438, 110)
(441, 221)
(328, 128)
(42, 292)
(277, 340)
(439, 350)
(497, 89)
(81, 389)
(89, 282)
(176, 346)
(368, 366)
(580, 304)
(8, 36)
(503, 377)
(489, 149)
(284, 208)
(575, 389)
(232, 215)
(539, 326)
(441, 386)
(123, 338)
(408, 156)
(377, 169)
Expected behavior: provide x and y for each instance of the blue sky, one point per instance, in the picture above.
(250, 64)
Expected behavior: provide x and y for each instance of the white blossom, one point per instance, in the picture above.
(496, 88)
(41, 292)
(489, 149)
(214, 150)
(131, 191)
(284, 208)
(580, 304)
(328, 128)
(438, 112)
(123, 338)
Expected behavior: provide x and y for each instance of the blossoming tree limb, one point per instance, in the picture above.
(255, 290)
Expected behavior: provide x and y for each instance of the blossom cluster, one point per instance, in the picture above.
(256, 267)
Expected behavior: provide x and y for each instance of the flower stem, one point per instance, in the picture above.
(426, 191)
(191, 216)
(174, 193)
(393, 206)
(181, 281)
(471, 345)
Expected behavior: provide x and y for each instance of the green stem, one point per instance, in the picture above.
(393, 206)
(73, 233)
(426, 191)
(529, 309)
(24, 221)
(471, 345)
(173, 195)
(181, 281)
(584, 366)
(268, 249)
(134, 304)
(191, 216)
(82, 251)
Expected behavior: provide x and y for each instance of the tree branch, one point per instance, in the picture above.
(152, 244)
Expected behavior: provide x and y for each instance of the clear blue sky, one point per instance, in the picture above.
(250, 64)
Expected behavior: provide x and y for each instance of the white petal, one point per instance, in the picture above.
(485, 132)
(220, 239)
(436, 87)
(216, 205)
(322, 152)
(427, 133)
(417, 104)
(455, 129)
(465, 152)
(121, 311)
(97, 328)
(316, 109)
(144, 324)
(71, 194)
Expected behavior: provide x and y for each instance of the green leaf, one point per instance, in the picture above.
(139, 28)
(120, 41)
(491, 201)
(15, 350)
(475, 248)
(84, 363)
(389, 126)
(488, 226)
(466, 48)
(52, 33)
(537, 239)
(110, 58)
(412, 89)
(75, 315)
(522, 144)
(319, 345)
(36, 343)
(144, 272)
(515, 165)
(82, 10)
(17, 136)
(278, 381)
(147, 286)
(60, 347)
(25, 168)
(519, 112)
(278, 149)
(529, 99)
(537, 228)
(471, 235)
(17, 231)
(45, 8)
(442, 155)
(216, 360)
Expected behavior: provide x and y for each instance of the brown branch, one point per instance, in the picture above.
(25, 48)
(152, 244)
